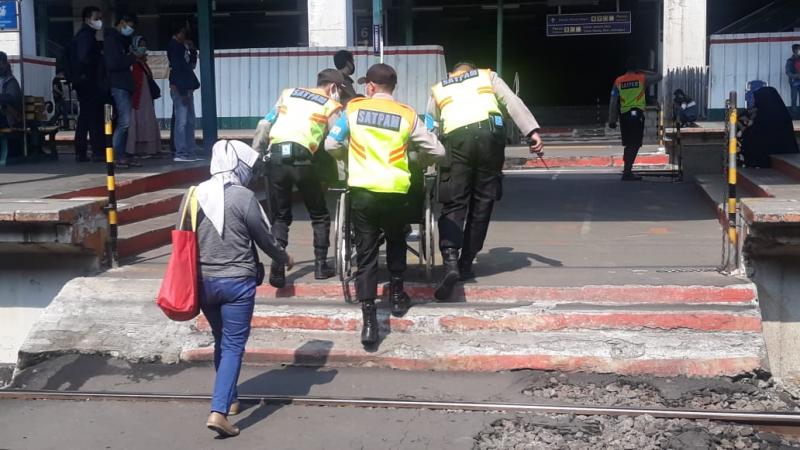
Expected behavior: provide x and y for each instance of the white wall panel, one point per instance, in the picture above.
(736, 59)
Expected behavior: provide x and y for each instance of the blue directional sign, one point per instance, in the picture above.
(588, 24)
(8, 15)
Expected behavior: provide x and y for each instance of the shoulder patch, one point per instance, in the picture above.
(378, 119)
(310, 96)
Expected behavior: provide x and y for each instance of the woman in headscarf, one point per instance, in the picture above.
(230, 222)
(770, 130)
(144, 137)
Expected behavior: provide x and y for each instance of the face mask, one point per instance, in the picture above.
(336, 95)
(96, 24)
(243, 173)
(141, 50)
(127, 30)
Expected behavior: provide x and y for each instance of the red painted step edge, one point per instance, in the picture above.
(152, 239)
(137, 213)
(597, 161)
(786, 168)
(711, 322)
(147, 183)
(595, 294)
(749, 186)
(495, 363)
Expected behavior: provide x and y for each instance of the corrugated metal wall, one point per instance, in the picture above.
(39, 74)
(736, 59)
(693, 81)
(249, 81)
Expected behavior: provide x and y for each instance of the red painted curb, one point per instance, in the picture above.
(596, 161)
(138, 213)
(147, 183)
(756, 189)
(596, 294)
(141, 243)
(786, 168)
(494, 363)
(523, 323)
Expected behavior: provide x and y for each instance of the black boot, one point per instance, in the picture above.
(322, 271)
(444, 290)
(465, 268)
(369, 333)
(397, 295)
(277, 276)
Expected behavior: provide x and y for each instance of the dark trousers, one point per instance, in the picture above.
(631, 125)
(282, 178)
(469, 187)
(90, 120)
(371, 214)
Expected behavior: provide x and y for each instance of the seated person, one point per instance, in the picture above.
(10, 105)
(769, 129)
(685, 109)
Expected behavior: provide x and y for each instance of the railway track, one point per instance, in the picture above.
(784, 421)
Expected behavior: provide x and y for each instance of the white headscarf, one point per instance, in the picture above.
(231, 163)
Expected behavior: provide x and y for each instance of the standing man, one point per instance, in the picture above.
(290, 135)
(380, 131)
(345, 64)
(87, 74)
(119, 63)
(628, 102)
(793, 72)
(470, 104)
(182, 84)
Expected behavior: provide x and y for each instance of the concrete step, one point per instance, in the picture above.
(131, 185)
(138, 237)
(445, 318)
(769, 183)
(788, 164)
(661, 353)
(739, 293)
(148, 205)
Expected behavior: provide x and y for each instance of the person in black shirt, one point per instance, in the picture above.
(88, 78)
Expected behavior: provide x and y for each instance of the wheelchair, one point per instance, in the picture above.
(421, 241)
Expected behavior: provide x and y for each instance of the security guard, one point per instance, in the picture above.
(290, 136)
(380, 131)
(628, 102)
(469, 105)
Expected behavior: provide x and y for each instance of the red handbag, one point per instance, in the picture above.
(178, 296)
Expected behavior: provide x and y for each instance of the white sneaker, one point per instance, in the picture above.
(179, 159)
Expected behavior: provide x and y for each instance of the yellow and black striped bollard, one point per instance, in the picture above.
(733, 147)
(111, 183)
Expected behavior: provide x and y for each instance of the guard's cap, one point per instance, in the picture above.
(382, 74)
(330, 76)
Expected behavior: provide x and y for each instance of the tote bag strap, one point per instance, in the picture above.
(190, 206)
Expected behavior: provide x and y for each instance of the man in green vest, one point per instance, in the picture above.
(628, 103)
(378, 133)
(290, 135)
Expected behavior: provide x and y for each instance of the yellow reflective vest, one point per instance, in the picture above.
(380, 130)
(465, 98)
(303, 116)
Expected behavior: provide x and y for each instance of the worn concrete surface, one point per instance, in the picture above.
(29, 283)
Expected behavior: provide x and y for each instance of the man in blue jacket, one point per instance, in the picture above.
(119, 61)
(182, 84)
(793, 72)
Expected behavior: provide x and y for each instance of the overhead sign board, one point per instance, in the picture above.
(8, 15)
(588, 24)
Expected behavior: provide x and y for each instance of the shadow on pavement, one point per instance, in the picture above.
(289, 380)
(505, 259)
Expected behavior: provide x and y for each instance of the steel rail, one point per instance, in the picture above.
(760, 418)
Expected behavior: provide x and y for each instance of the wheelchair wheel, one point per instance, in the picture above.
(341, 238)
(427, 238)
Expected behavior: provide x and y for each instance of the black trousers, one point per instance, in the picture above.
(371, 214)
(469, 187)
(90, 120)
(282, 178)
(631, 125)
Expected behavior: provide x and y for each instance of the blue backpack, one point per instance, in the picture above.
(752, 87)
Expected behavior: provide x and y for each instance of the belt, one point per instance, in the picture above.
(296, 155)
(483, 124)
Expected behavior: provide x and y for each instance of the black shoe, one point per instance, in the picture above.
(277, 276)
(444, 290)
(629, 176)
(369, 332)
(322, 271)
(398, 297)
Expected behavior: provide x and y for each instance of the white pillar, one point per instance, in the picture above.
(9, 40)
(330, 23)
(684, 38)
